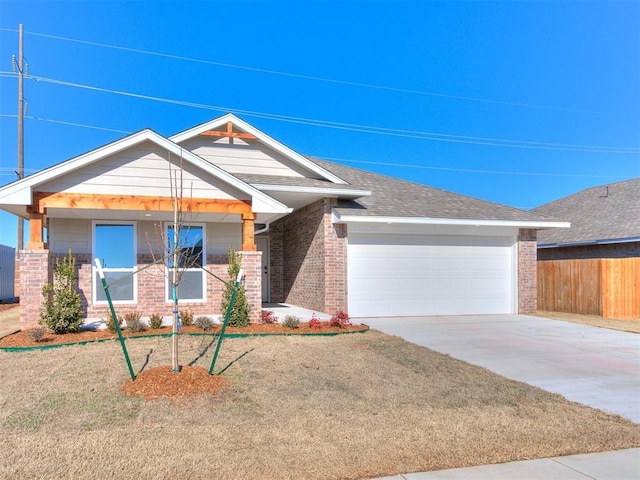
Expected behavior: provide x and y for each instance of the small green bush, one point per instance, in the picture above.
(36, 334)
(61, 309)
(111, 325)
(291, 321)
(134, 324)
(155, 321)
(186, 317)
(204, 322)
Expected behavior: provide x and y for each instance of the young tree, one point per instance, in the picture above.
(179, 252)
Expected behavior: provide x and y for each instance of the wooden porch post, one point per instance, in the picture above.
(36, 228)
(248, 226)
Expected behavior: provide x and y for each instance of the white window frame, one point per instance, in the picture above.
(96, 284)
(168, 269)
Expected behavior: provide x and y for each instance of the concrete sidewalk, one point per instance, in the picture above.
(589, 365)
(618, 465)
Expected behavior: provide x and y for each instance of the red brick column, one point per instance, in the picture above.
(527, 271)
(252, 265)
(35, 271)
(335, 262)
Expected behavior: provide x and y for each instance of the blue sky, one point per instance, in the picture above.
(518, 103)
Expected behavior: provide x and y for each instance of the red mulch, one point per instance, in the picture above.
(21, 338)
(163, 382)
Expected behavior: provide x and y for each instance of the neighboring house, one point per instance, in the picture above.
(7, 273)
(312, 233)
(594, 266)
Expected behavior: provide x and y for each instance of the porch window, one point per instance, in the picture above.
(114, 243)
(191, 258)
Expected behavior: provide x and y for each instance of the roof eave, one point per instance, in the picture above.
(337, 218)
(587, 243)
(344, 193)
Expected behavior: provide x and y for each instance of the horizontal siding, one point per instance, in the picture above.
(143, 171)
(242, 157)
(77, 235)
(66, 233)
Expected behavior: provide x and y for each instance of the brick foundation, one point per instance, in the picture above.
(37, 268)
(527, 271)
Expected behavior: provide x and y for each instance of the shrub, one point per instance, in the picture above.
(61, 310)
(186, 317)
(111, 325)
(340, 319)
(155, 321)
(267, 316)
(314, 323)
(36, 334)
(134, 324)
(239, 316)
(204, 322)
(291, 321)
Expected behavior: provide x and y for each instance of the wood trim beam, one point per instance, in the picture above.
(248, 228)
(36, 226)
(228, 133)
(43, 200)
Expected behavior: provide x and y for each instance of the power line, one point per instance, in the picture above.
(313, 77)
(485, 141)
(466, 170)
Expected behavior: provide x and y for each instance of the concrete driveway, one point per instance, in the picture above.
(590, 365)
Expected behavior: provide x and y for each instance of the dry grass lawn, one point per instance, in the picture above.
(352, 406)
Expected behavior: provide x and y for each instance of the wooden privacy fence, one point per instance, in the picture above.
(609, 287)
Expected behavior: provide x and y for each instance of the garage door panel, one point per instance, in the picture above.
(394, 275)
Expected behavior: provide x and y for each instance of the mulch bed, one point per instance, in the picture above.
(22, 339)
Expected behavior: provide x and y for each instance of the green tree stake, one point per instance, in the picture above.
(226, 320)
(115, 317)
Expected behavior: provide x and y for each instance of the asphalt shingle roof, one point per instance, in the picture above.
(607, 212)
(400, 198)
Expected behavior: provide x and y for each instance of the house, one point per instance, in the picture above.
(594, 266)
(312, 233)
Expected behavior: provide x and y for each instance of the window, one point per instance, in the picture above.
(115, 245)
(191, 258)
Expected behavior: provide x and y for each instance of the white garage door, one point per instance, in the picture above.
(400, 275)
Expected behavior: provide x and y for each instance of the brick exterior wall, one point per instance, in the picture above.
(609, 250)
(37, 267)
(35, 270)
(527, 271)
(308, 259)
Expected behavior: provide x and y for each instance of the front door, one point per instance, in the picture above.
(263, 246)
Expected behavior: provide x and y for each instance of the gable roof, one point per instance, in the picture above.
(604, 214)
(408, 202)
(261, 137)
(16, 196)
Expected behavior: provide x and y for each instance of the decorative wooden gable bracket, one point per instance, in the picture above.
(228, 133)
(44, 200)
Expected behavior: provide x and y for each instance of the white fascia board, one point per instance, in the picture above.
(337, 218)
(262, 137)
(19, 192)
(327, 191)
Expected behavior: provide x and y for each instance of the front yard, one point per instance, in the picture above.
(352, 406)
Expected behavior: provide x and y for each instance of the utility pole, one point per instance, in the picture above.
(20, 171)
